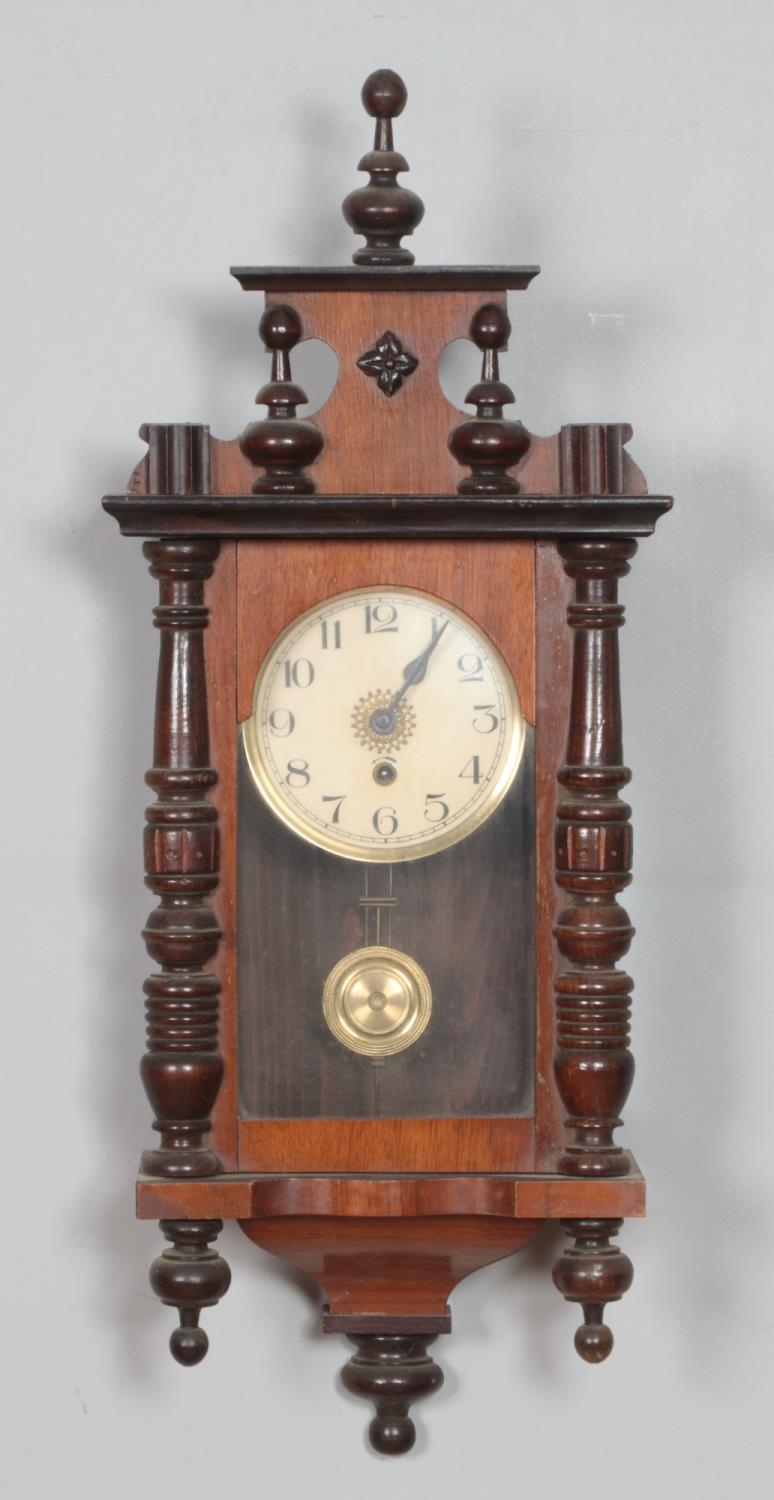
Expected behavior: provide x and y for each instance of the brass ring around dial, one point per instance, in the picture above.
(377, 1001)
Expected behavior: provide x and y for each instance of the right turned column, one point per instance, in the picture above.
(593, 1065)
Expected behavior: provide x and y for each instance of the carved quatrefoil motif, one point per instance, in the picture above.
(388, 363)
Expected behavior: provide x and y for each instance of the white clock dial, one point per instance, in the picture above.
(385, 725)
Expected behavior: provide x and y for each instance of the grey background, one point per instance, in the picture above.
(627, 148)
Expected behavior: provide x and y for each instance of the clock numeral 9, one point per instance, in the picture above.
(436, 810)
(380, 619)
(470, 666)
(298, 773)
(483, 727)
(281, 722)
(385, 821)
(471, 771)
(299, 673)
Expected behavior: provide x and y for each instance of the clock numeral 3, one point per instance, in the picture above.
(488, 709)
(299, 673)
(298, 773)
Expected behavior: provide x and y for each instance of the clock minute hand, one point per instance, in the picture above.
(416, 670)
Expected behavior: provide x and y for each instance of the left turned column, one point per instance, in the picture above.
(182, 1068)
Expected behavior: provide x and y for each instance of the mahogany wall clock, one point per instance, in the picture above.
(387, 1027)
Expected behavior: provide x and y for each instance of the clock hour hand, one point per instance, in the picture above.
(383, 719)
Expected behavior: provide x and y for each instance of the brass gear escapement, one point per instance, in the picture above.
(395, 738)
(377, 1001)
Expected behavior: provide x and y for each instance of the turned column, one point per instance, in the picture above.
(593, 1065)
(182, 1068)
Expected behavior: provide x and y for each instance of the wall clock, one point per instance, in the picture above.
(387, 1026)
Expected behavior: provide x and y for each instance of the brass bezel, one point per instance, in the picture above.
(384, 853)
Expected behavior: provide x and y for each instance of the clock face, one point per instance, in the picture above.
(385, 725)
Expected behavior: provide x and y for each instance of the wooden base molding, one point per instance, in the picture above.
(534, 1196)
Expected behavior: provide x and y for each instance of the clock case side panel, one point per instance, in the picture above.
(221, 662)
(553, 671)
(494, 584)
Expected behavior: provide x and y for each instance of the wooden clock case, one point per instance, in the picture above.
(388, 1214)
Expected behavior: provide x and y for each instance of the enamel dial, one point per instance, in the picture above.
(385, 725)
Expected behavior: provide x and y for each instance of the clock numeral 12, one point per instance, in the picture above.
(380, 619)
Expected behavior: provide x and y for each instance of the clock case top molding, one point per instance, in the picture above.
(389, 485)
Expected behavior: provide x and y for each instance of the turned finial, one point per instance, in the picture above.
(592, 1273)
(189, 1276)
(282, 444)
(488, 444)
(392, 1370)
(383, 211)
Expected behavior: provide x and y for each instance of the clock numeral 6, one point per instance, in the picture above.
(281, 722)
(436, 810)
(380, 619)
(385, 821)
(299, 673)
(470, 666)
(481, 726)
(298, 773)
(471, 771)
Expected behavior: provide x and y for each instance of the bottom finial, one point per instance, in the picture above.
(189, 1276)
(593, 1272)
(392, 1370)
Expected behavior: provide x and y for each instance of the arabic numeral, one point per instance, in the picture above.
(380, 619)
(298, 773)
(281, 722)
(471, 771)
(385, 821)
(298, 673)
(470, 666)
(481, 726)
(331, 634)
(436, 810)
(337, 808)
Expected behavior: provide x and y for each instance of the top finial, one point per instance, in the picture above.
(382, 211)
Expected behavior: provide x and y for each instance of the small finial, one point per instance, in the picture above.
(488, 444)
(383, 211)
(282, 444)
